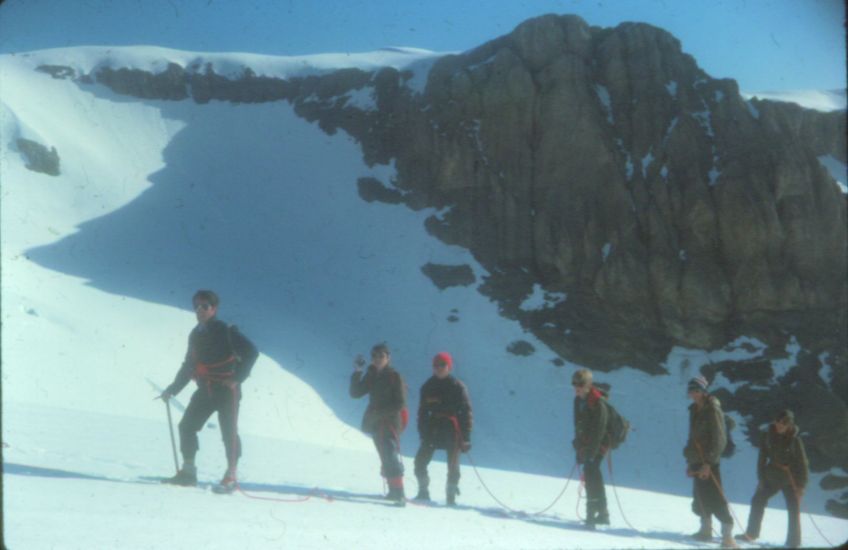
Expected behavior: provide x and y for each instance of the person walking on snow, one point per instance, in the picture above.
(782, 466)
(591, 415)
(386, 415)
(444, 422)
(219, 359)
(707, 439)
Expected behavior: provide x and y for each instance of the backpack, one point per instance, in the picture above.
(617, 427)
(730, 448)
(246, 361)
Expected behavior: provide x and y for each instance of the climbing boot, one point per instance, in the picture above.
(396, 493)
(186, 477)
(423, 488)
(705, 533)
(228, 483)
(727, 536)
(451, 491)
(602, 518)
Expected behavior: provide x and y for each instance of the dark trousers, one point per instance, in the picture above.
(709, 499)
(425, 455)
(793, 507)
(596, 493)
(210, 398)
(387, 443)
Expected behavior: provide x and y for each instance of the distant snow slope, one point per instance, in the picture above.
(837, 171)
(154, 59)
(156, 199)
(820, 100)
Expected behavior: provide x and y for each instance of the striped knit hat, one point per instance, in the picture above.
(699, 383)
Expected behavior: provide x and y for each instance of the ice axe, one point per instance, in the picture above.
(167, 400)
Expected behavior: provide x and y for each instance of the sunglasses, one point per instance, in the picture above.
(440, 365)
(204, 307)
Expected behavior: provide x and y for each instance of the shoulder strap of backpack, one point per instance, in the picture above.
(230, 342)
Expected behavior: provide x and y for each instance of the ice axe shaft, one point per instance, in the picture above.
(171, 431)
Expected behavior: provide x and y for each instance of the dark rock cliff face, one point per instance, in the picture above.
(609, 166)
(824, 133)
(604, 166)
(39, 158)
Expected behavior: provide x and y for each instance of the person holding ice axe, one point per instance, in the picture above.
(219, 359)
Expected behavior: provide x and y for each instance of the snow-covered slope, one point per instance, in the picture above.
(156, 199)
(74, 479)
(820, 100)
(837, 171)
(154, 59)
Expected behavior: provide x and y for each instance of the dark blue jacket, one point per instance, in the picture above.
(216, 352)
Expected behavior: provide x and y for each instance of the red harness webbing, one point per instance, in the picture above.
(204, 371)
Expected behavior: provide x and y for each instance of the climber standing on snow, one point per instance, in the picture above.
(590, 443)
(386, 415)
(707, 439)
(219, 359)
(444, 422)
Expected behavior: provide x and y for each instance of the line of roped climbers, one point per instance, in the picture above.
(219, 358)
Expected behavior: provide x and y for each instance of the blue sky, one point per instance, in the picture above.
(764, 44)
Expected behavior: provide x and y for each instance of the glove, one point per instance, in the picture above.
(358, 363)
(465, 446)
(165, 395)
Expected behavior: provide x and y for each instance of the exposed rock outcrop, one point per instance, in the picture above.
(824, 133)
(444, 276)
(39, 158)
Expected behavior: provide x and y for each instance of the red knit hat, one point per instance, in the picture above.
(445, 357)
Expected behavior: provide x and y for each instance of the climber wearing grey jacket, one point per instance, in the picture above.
(707, 440)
